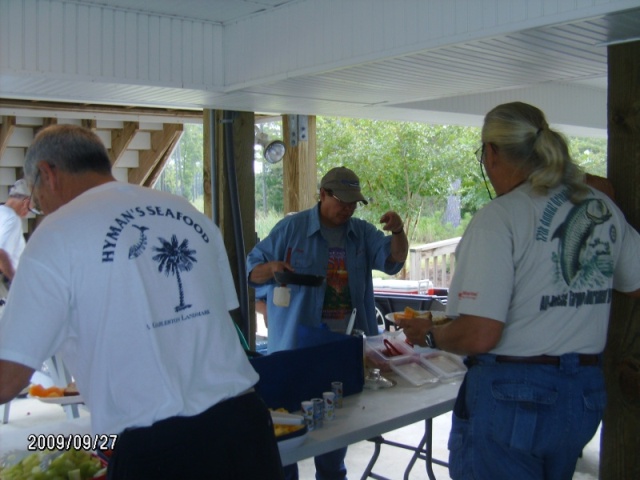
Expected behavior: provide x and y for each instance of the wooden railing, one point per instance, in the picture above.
(434, 261)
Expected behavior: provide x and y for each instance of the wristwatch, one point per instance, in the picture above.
(430, 341)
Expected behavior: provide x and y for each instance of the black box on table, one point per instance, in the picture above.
(291, 376)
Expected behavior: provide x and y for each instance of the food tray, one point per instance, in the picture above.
(412, 370)
(445, 365)
(377, 354)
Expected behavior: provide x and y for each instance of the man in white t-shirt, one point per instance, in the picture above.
(11, 237)
(133, 287)
(530, 301)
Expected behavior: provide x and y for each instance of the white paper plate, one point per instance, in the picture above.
(69, 400)
(291, 443)
(390, 316)
(435, 314)
(282, 418)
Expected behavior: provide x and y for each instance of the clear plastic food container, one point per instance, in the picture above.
(447, 366)
(380, 349)
(411, 369)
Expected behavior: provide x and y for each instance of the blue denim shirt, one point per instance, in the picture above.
(367, 248)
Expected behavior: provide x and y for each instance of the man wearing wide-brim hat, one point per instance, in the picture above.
(326, 240)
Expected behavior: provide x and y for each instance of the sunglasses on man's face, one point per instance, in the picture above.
(34, 206)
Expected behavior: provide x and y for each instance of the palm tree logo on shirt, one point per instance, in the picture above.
(174, 258)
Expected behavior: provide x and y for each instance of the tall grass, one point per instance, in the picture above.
(264, 223)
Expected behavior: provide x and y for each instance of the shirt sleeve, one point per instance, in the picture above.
(484, 278)
(380, 249)
(34, 324)
(267, 250)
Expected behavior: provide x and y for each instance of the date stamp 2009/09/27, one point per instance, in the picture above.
(68, 442)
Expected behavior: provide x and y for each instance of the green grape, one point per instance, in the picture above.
(52, 465)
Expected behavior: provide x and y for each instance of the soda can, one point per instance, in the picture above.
(307, 413)
(318, 412)
(336, 388)
(329, 405)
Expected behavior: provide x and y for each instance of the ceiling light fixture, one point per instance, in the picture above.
(274, 152)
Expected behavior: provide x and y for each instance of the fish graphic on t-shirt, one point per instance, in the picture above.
(137, 249)
(574, 234)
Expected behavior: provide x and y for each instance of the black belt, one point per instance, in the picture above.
(583, 359)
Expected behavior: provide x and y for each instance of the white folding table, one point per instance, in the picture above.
(368, 415)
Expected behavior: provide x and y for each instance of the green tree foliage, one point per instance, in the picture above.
(269, 177)
(411, 167)
(405, 167)
(590, 154)
(183, 172)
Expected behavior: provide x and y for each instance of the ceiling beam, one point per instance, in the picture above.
(90, 123)
(85, 108)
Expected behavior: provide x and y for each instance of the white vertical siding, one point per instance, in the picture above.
(7, 176)
(121, 174)
(12, 157)
(21, 137)
(129, 159)
(304, 56)
(93, 42)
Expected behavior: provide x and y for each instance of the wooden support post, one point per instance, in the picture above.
(208, 138)
(243, 141)
(620, 441)
(299, 167)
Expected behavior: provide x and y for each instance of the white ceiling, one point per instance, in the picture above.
(558, 62)
(216, 11)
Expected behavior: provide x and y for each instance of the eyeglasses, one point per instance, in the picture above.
(480, 154)
(34, 206)
(480, 157)
(343, 204)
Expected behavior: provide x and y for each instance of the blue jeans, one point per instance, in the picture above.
(329, 466)
(524, 421)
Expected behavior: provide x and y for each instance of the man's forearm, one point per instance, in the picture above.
(13, 378)
(399, 247)
(6, 268)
